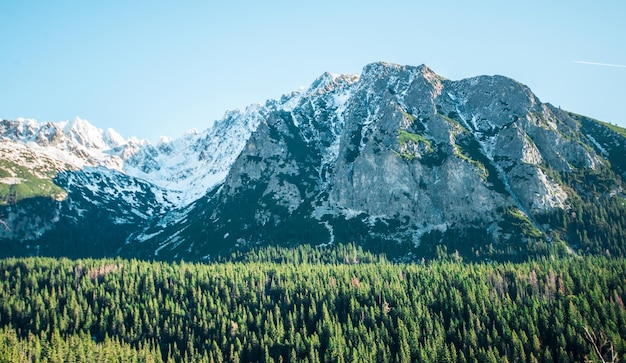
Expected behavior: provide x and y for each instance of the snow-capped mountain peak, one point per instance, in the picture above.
(113, 139)
(396, 154)
(84, 133)
(329, 81)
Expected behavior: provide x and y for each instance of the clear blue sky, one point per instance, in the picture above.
(151, 68)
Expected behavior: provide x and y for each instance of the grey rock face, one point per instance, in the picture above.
(400, 157)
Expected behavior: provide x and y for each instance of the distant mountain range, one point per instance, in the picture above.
(398, 160)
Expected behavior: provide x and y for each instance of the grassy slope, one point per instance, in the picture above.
(30, 186)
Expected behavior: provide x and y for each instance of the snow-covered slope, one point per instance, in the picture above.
(186, 167)
(73, 145)
(89, 176)
(194, 163)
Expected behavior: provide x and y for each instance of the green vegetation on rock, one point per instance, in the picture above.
(617, 129)
(454, 118)
(405, 138)
(515, 219)
(18, 183)
(482, 169)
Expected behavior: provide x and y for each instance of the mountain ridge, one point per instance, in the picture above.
(397, 158)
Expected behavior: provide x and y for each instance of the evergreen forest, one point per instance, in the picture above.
(313, 304)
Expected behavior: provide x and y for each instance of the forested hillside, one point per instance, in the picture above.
(312, 305)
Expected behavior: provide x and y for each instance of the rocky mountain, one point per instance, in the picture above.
(398, 159)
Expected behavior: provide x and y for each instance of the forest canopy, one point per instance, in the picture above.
(305, 304)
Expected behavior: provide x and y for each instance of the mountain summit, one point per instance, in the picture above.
(399, 160)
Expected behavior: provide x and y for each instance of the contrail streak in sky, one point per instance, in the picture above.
(601, 64)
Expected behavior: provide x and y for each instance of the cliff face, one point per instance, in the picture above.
(391, 159)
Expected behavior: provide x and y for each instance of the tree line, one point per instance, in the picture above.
(343, 306)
